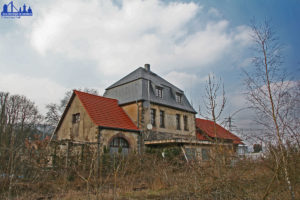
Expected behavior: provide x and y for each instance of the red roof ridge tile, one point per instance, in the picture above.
(78, 91)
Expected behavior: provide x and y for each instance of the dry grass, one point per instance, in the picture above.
(149, 176)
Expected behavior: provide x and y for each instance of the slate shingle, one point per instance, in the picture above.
(134, 87)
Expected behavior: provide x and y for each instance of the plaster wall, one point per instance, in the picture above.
(84, 130)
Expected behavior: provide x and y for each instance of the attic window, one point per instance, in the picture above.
(159, 92)
(75, 118)
(178, 97)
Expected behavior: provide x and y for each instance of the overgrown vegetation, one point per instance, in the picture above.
(147, 176)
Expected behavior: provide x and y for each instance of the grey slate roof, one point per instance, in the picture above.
(134, 87)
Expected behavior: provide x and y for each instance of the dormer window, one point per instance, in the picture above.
(75, 118)
(159, 92)
(178, 97)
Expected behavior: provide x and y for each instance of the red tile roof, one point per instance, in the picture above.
(207, 127)
(105, 112)
(200, 136)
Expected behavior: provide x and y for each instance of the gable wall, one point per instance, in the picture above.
(134, 111)
(85, 130)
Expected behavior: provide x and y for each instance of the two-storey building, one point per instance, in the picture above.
(141, 109)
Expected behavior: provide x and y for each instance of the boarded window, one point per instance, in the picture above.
(76, 118)
(159, 92)
(205, 154)
(162, 119)
(178, 121)
(153, 114)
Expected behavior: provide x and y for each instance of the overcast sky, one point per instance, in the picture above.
(93, 43)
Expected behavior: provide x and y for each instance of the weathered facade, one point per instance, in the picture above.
(141, 109)
(159, 109)
(97, 120)
(82, 130)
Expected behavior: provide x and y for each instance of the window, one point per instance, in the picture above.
(178, 121)
(185, 123)
(75, 118)
(119, 145)
(159, 92)
(178, 98)
(205, 154)
(190, 153)
(152, 120)
(162, 119)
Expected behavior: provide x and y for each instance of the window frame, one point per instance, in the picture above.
(153, 117)
(118, 141)
(162, 119)
(75, 118)
(159, 92)
(178, 97)
(185, 123)
(205, 154)
(178, 127)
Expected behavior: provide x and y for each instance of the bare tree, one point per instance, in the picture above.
(214, 99)
(18, 117)
(268, 92)
(214, 103)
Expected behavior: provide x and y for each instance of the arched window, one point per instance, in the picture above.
(119, 145)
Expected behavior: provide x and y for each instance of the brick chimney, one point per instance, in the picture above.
(147, 67)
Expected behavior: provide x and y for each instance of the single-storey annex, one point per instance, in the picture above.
(90, 118)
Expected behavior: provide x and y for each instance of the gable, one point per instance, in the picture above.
(98, 111)
(84, 129)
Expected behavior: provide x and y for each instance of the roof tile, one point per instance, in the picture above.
(105, 111)
(208, 127)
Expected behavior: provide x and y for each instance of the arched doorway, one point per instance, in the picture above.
(119, 145)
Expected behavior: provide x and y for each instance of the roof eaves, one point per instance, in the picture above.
(65, 112)
(120, 129)
(156, 103)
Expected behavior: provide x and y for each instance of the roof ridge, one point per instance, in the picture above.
(119, 82)
(96, 95)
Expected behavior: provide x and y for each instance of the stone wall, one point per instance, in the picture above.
(108, 135)
(170, 120)
(84, 130)
(140, 115)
